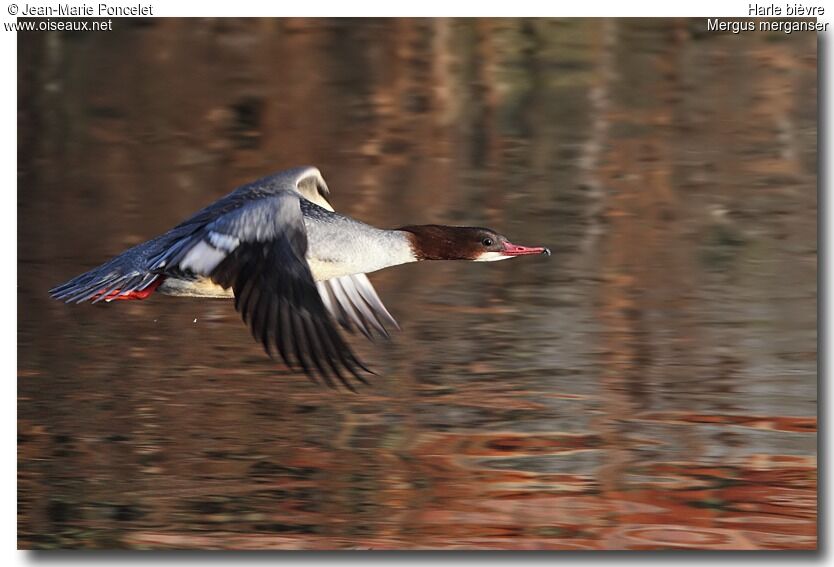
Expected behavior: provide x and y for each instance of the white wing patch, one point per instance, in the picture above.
(312, 187)
(205, 256)
(352, 300)
(223, 241)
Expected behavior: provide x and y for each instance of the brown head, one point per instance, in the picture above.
(439, 242)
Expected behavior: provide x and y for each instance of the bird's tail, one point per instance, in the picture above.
(117, 279)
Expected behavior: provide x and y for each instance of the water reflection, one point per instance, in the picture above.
(652, 385)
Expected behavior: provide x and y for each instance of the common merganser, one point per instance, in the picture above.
(292, 264)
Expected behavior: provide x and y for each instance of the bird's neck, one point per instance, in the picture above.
(366, 250)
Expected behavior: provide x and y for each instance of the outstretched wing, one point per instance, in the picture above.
(260, 252)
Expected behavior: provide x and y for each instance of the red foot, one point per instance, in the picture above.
(114, 295)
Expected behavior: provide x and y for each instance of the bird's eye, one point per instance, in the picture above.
(487, 242)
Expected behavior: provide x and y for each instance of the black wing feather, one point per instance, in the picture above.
(277, 297)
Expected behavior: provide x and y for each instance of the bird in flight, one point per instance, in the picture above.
(293, 265)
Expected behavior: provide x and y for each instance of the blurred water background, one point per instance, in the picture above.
(651, 385)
